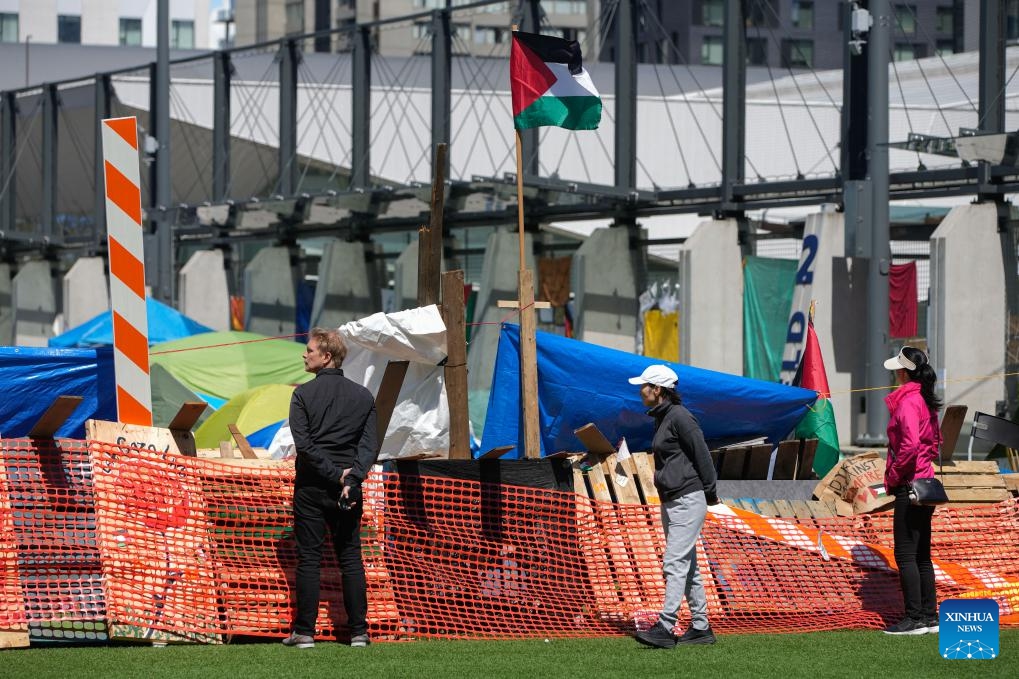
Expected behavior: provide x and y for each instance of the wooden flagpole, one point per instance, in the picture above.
(528, 342)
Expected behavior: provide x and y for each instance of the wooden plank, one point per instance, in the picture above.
(510, 304)
(802, 509)
(495, 453)
(54, 417)
(822, 509)
(455, 370)
(176, 442)
(766, 508)
(645, 466)
(1011, 482)
(758, 461)
(951, 425)
(805, 461)
(619, 474)
(226, 450)
(733, 462)
(14, 639)
(594, 441)
(969, 467)
(430, 237)
(599, 486)
(977, 494)
(388, 394)
(242, 442)
(716, 456)
(784, 508)
(785, 460)
(188, 415)
(579, 486)
(972, 481)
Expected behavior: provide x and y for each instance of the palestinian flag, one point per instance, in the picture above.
(819, 422)
(549, 84)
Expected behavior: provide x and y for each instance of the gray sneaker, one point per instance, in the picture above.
(296, 640)
(359, 641)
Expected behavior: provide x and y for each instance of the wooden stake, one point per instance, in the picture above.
(529, 366)
(455, 370)
(430, 237)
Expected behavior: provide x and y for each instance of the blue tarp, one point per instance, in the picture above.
(35, 377)
(580, 383)
(165, 324)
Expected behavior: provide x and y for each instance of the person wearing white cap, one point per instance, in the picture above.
(913, 441)
(685, 480)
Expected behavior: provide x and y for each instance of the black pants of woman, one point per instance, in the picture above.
(912, 530)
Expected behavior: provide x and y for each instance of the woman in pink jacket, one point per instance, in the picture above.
(913, 441)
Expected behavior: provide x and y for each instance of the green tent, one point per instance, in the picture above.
(251, 411)
(168, 395)
(224, 364)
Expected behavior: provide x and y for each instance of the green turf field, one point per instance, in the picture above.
(856, 654)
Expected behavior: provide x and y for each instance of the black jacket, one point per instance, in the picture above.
(682, 461)
(333, 423)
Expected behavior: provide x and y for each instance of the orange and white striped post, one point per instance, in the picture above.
(127, 270)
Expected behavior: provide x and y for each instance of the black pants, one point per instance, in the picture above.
(912, 529)
(314, 510)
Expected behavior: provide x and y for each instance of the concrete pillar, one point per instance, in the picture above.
(202, 290)
(35, 304)
(972, 271)
(711, 298)
(839, 285)
(270, 294)
(605, 284)
(348, 286)
(499, 282)
(86, 291)
(6, 307)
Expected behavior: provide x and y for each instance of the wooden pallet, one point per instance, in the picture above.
(793, 460)
(798, 509)
(973, 482)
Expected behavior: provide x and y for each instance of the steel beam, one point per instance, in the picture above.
(734, 85)
(103, 99)
(441, 80)
(289, 57)
(222, 71)
(626, 95)
(360, 105)
(991, 107)
(8, 154)
(50, 122)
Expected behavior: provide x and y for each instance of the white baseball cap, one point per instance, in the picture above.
(658, 375)
(900, 361)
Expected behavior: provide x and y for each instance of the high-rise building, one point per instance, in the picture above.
(482, 31)
(103, 22)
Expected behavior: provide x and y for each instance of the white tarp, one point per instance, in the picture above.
(420, 422)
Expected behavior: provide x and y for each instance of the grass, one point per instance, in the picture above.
(856, 653)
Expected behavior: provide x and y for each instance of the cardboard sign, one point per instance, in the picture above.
(856, 485)
(156, 439)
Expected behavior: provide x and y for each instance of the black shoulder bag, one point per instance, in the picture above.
(927, 492)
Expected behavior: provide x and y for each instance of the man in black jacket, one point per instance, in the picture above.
(332, 420)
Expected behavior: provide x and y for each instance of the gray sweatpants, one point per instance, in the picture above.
(682, 520)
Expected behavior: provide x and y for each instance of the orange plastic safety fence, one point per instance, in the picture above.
(101, 541)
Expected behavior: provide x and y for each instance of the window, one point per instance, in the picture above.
(905, 51)
(422, 31)
(945, 47)
(798, 53)
(68, 28)
(8, 27)
(762, 13)
(757, 51)
(131, 32)
(905, 19)
(488, 35)
(182, 35)
(711, 50)
(295, 16)
(712, 12)
(1011, 19)
(803, 14)
(569, 7)
(944, 20)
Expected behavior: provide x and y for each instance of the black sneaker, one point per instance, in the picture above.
(933, 625)
(359, 641)
(657, 636)
(296, 640)
(696, 636)
(908, 626)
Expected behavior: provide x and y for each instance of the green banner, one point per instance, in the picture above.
(767, 298)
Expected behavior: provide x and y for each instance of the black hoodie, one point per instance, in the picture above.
(682, 461)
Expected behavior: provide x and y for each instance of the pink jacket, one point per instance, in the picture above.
(913, 435)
